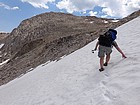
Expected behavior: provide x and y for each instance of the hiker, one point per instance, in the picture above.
(105, 43)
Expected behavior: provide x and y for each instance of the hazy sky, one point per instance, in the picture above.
(12, 12)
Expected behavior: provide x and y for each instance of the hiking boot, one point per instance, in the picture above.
(101, 69)
(105, 64)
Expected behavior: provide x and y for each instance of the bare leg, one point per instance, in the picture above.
(107, 58)
(101, 62)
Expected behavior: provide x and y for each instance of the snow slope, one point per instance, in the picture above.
(75, 79)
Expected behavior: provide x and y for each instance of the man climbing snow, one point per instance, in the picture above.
(105, 43)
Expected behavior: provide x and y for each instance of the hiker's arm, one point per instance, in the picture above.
(117, 47)
(96, 45)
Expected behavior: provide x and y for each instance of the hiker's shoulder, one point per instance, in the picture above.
(114, 43)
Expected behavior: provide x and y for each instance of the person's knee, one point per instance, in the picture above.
(102, 58)
(108, 55)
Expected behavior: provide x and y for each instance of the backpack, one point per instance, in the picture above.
(112, 34)
(108, 38)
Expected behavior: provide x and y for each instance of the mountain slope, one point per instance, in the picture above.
(75, 79)
(47, 37)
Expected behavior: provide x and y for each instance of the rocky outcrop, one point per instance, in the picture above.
(2, 41)
(47, 37)
(3, 36)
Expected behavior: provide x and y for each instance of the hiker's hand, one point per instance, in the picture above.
(124, 56)
(93, 51)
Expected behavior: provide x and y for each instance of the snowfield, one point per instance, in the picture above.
(76, 80)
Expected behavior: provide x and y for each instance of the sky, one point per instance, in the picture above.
(76, 80)
(12, 12)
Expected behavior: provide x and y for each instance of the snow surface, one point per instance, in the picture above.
(4, 62)
(75, 79)
(1, 45)
(115, 20)
(105, 21)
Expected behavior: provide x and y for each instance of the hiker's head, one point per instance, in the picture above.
(107, 33)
